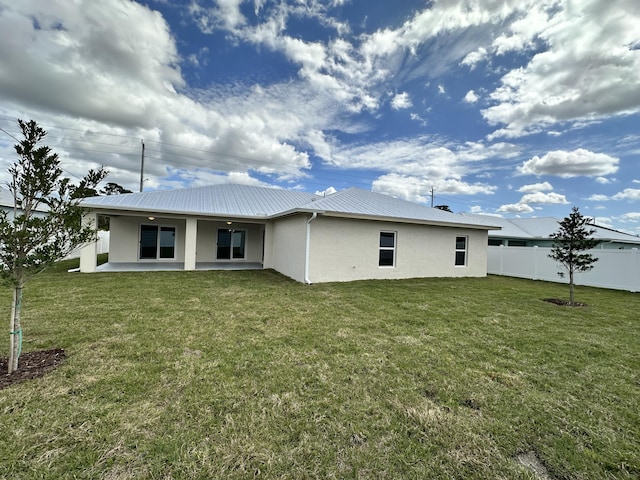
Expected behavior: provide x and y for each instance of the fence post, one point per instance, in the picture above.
(501, 259)
(536, 259)
(635, 265)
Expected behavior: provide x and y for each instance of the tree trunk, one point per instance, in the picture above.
(571, 287)
(15, 345)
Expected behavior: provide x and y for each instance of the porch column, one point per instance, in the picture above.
(89, 251)
(190, 240)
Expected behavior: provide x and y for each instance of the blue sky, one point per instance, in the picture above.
(511, 107)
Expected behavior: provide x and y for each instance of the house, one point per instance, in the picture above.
(349, 235)
(536, 232)
(7, 205)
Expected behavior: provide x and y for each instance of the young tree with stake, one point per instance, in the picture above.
(570, 241)
(30, 242)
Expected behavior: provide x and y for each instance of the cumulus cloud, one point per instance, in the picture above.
(515, 208)
(630, 217)
(119, 63)
(471, 97)
(565, 164)
(632, 194)
(418, 189)
(588, 68)
(327, 191)
(401, 101)
(473, 58)
(536, 187)
(598, 198)
(544, 198)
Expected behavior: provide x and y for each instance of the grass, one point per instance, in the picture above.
(200, 375)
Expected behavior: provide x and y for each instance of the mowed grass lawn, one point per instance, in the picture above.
(205, 375)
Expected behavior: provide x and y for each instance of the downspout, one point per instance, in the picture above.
(308, 248)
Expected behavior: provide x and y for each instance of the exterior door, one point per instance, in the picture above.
(157, 242)
(231, 245)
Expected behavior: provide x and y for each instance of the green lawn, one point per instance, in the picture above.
(182, 375)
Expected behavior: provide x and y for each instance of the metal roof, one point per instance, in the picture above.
(357, 202)
(215, 200)
(543, 227)
(508, 228)
(229, 200)
(6, 201)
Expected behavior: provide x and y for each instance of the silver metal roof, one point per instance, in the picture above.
(245, 201)
(357, 202)
(215, 200)
(508, 228)
(543, 227)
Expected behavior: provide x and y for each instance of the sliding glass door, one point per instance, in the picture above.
(157, 242)
(231, 244)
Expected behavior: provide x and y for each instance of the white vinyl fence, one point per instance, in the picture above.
(103, 245)
(615, 269)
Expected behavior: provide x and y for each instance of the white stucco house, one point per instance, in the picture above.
(537, 231)
(349, 235)
(7, 205)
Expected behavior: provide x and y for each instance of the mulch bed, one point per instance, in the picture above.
(31, 365)
(564, 303)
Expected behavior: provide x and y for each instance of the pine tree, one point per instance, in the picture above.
(570, 241)
(46, 222)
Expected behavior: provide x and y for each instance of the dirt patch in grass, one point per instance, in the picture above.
(531, 461)
(564, 303)
(31, 365)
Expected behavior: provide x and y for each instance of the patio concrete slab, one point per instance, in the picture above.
(174, 266)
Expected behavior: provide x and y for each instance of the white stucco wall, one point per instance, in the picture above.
(286, 244)
(206, 248)
(125, 238)
(345, 250)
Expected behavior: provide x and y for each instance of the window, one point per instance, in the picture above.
(517, 243)
(387, 249)
(157, 242)
(461, 251)
(495, 242)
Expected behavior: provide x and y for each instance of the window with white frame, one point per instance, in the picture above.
(461, 251)
(387, 253)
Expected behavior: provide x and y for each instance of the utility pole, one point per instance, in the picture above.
(432, 196)
(142, 167)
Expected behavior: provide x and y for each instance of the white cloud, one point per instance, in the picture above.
(630, 217)
(588, 68)
(118, 61)
(536, 187)
(418, 189)
(475, 57)
(441, 89)
(417, 118)
(565, 164)
(471, 97)
(603, 180)
(627, 194)
(400, 101)
(432, 158)
(515, 208)
(598, 198)
(544, 198)
(328, 191)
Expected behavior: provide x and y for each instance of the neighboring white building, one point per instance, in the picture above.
(536, 232)
(348, 235)
(7, 204)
